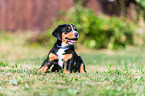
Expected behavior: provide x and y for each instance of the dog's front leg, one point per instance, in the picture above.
(68, 63)
(80, 66)
(51, 59)
(45, 66)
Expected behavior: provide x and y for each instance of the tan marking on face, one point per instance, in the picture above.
(67, 57)
(63, 38)
(68, 35)
(52, 57)
(82, 69)
(68, 27)
(43, 69)
(65, 71)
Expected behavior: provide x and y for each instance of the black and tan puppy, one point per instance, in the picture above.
(63, 55)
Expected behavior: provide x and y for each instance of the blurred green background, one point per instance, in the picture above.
(109, 24)
(111, 44)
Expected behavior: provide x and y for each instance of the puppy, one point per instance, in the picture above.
(63, 55)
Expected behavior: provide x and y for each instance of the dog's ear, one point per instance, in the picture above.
(58, 32)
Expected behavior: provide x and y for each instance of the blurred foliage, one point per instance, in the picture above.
(80, 2)
(142, 2)
(140, 8)
(95, 31)
(3, 64)
(100, 31)
(42, 39)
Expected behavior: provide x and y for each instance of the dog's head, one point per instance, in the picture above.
(67, 33)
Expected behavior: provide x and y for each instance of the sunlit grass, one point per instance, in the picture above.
(109, 73)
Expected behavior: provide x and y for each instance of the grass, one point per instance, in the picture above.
(109, 73)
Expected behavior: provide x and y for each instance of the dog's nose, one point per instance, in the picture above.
(76, 34)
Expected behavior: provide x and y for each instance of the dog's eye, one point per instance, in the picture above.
(75, 28)
(68, 29)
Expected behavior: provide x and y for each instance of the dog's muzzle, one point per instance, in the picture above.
(71, 41)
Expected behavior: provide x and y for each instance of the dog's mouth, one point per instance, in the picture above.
(71, 40)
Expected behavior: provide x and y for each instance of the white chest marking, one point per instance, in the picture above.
(60, 57)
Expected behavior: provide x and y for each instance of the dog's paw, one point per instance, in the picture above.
(82, 69)
(43, 69)
(66, 72)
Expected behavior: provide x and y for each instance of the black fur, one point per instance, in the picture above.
(72, 64)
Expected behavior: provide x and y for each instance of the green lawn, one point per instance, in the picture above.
(109, 73)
